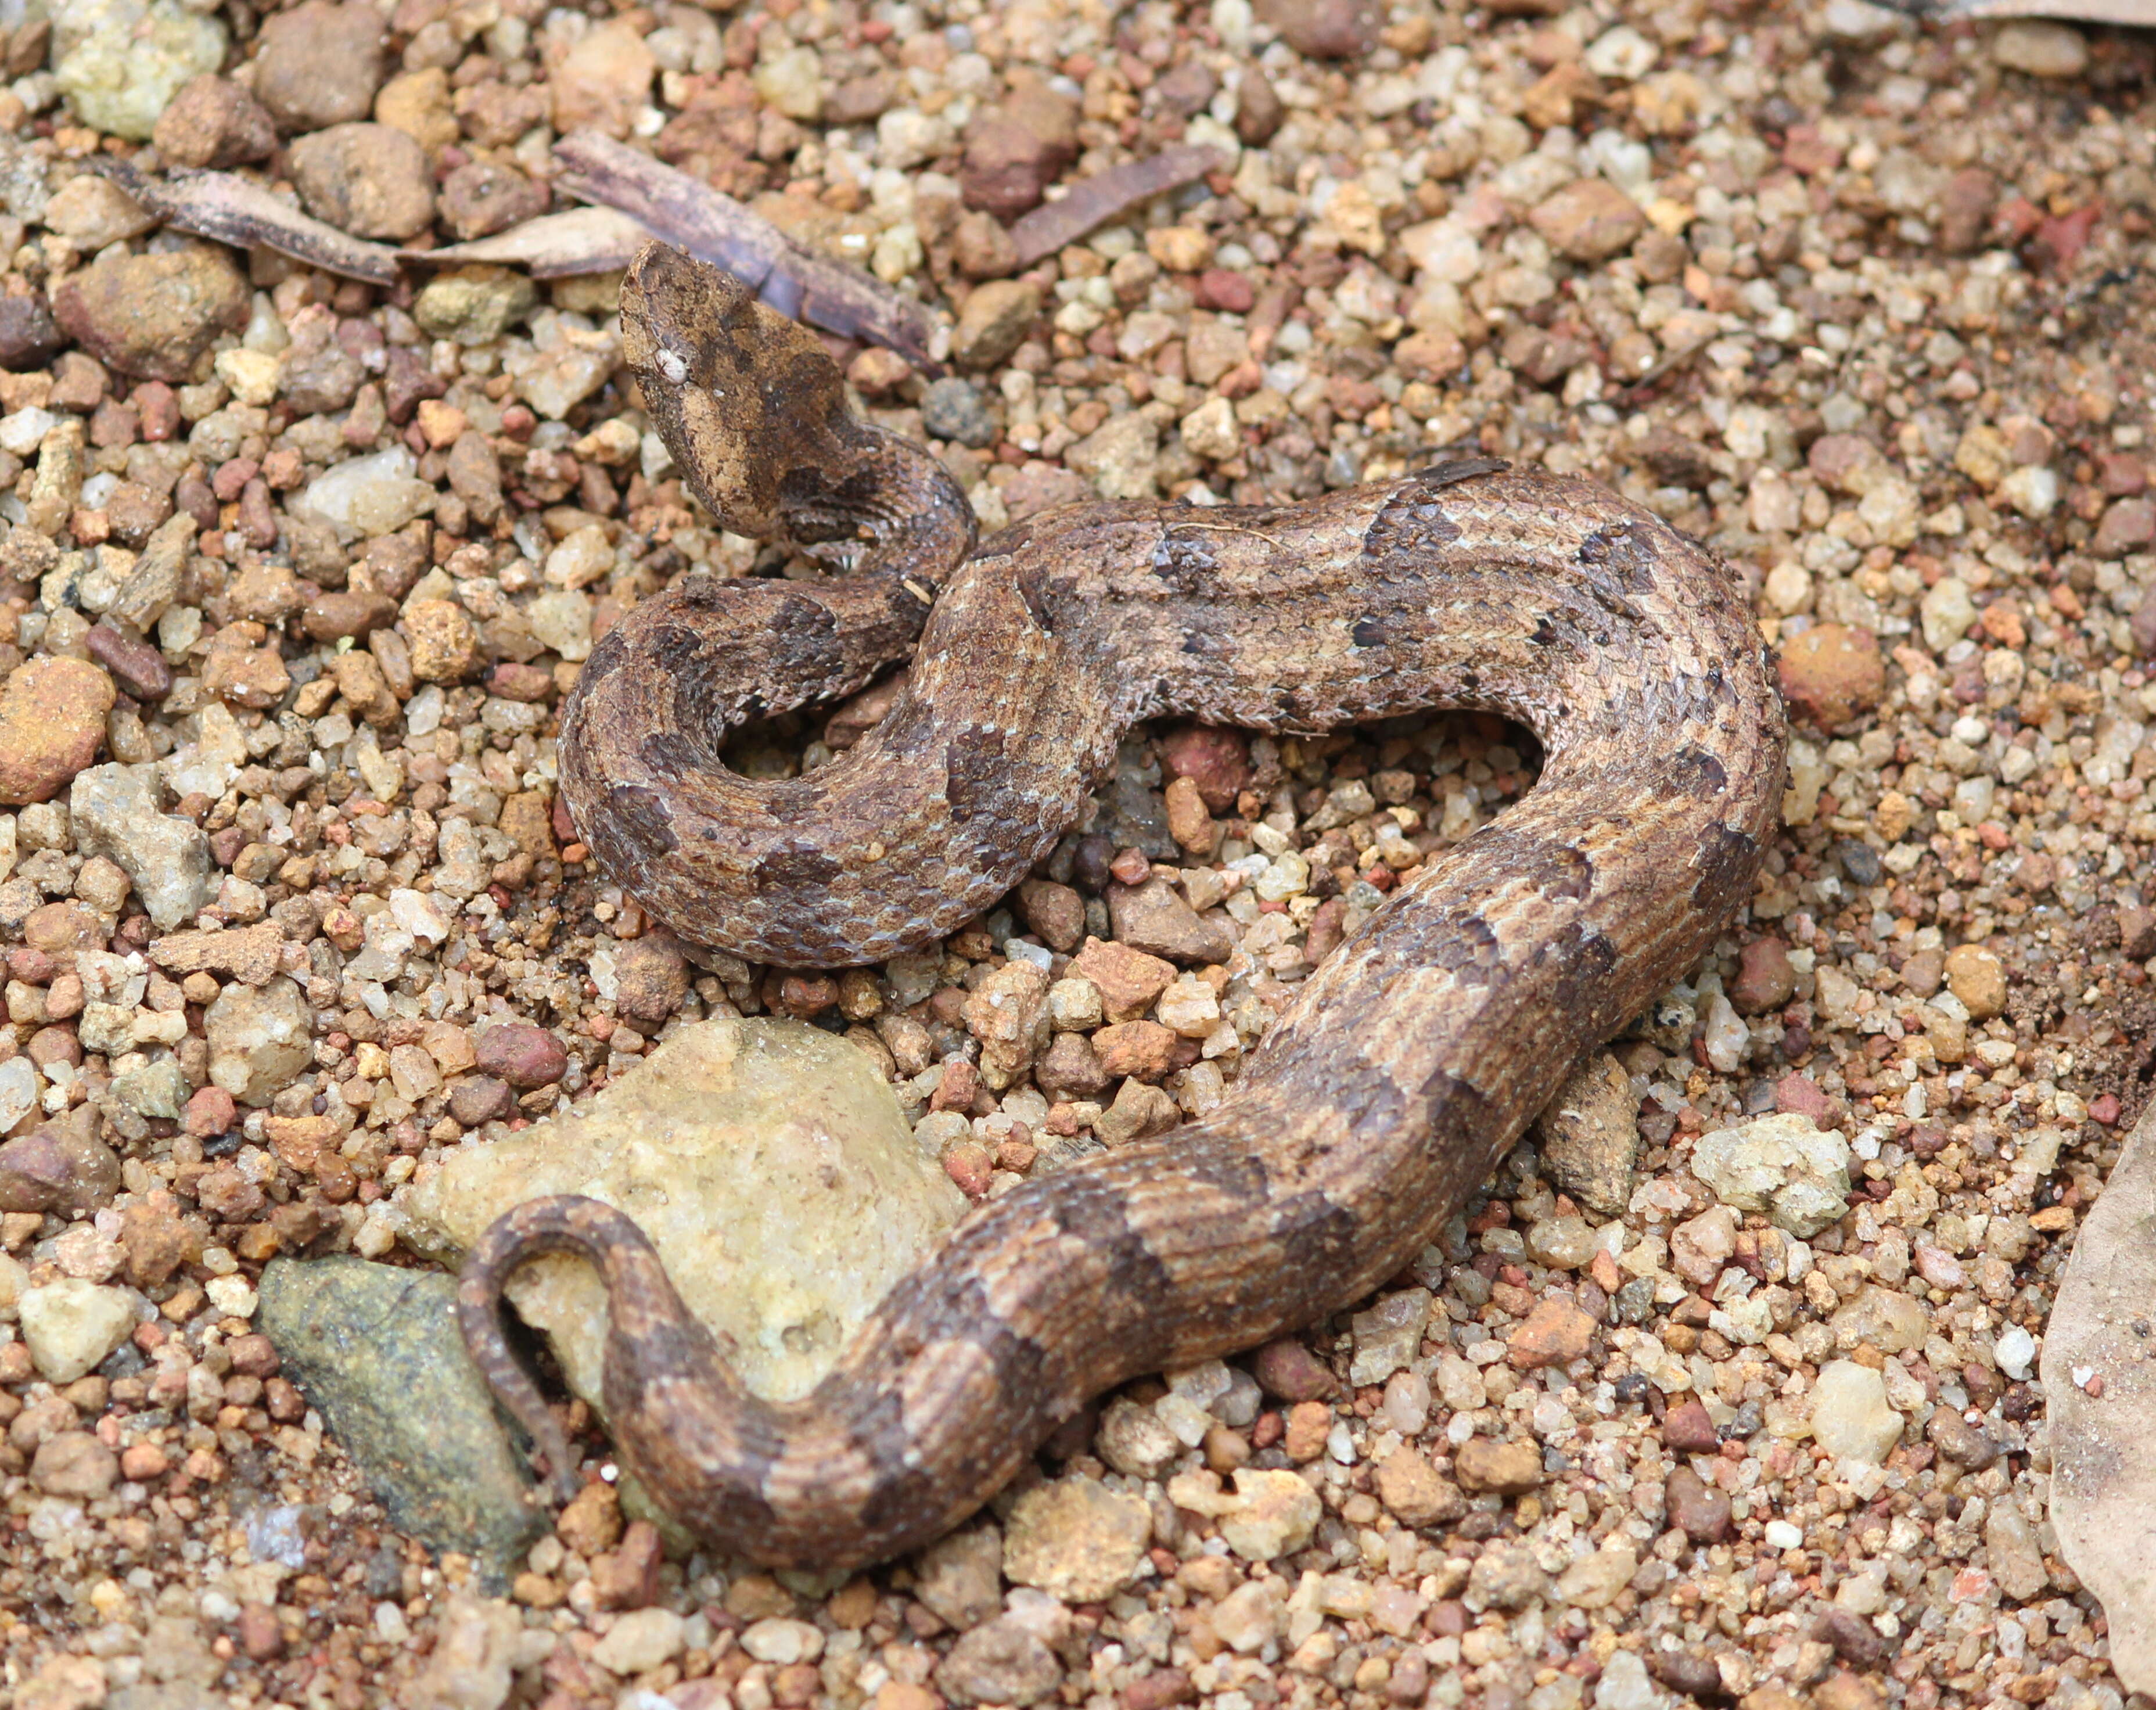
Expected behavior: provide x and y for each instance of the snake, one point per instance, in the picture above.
(1407, 1062)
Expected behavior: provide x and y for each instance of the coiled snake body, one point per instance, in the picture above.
(1410, 1061)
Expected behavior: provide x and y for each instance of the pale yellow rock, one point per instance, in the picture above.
(1076, 1540)
(770, 1165)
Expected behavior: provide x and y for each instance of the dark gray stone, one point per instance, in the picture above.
(954, 409)
(377, 1350)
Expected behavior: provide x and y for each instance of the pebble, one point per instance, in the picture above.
(1414, 1493)
(1217, 761)
(119, 62)
(1128, 980)
(1388, 1337)
(1321, 29)
(995, 316)
(52, 721)
(1505, 1575)
(1154, 918)
(481, 198)
(95, 212)
(2012, 1549)
(1832, 673)
(70, 1326)
(1015, 151)
(1309, 1424)
(1556, 1332)
(2015, 1352)
(1597, 1580)
(960, 1578)
(1697, 1508)
(369, 180)
(1211, 431)
(137, 667)
(479, 1644)
(75, 1464)
(364, 498)
(473, 305)
(1882, 1318)
(651, 978)
(522, 1053)
(445, 647)
(1624, 1684)
(247, 953)
(377, 1350)
(1133, 1439)
(640, 1641)
(1272, 1513)
(319, 64)
(29, 339)
(1687, 1429)
(1590, 1133)
(1120, 457)
(58, 1166)
(2128, 525)
(1508, 1468)
(1001, 1662)
(1055, 911)
(952, 408)
(1562, 1243)
(1765, 980)
(1144, 1049)
(1851, 1419)
(1782, 1165)
(1290, 1371)
(1976, 976)
(260, 1038)
(214, 123)
(1589, 219)
(602, 82)
(153, 316)
(770, 1165)
(2042, 48)
(1076, 1540)
(113, 811)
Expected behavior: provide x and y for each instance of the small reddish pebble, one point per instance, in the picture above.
(1217, 288)
(141, 1463)
(524, 1056)
(210, 1112)
(969, 1165)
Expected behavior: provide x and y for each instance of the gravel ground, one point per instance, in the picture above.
(288, 912)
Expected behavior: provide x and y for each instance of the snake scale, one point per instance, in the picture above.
(1407, 1062)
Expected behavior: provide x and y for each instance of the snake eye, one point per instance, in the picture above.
(672, 365)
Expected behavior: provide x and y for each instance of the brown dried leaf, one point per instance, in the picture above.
(2102, 1337)
(554, 245)
(711, 226)
(227, 209)
(1095, 201)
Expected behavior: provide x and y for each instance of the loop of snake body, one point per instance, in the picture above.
(1407, 1062)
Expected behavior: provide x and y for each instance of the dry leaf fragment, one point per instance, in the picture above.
(227, 208)
(1095, 201)
(553, 246)
(711, 226)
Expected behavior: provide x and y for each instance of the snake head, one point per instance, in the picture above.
(741, 395)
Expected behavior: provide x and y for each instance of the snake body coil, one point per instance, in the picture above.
(1410, 1061)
